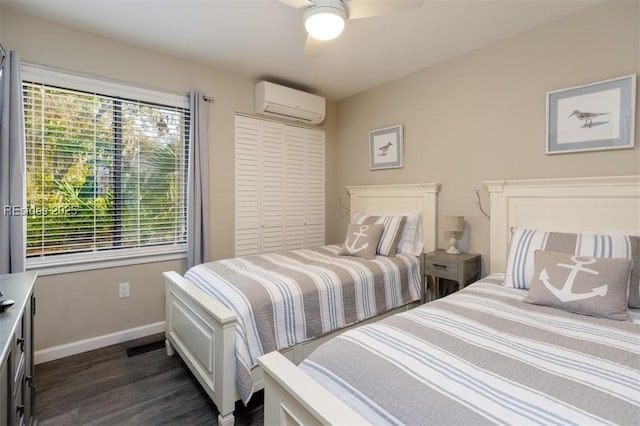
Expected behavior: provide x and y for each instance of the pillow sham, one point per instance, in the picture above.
(595, 286)
(393, 226)
(412, 237)
(361, 240)
(524, 242)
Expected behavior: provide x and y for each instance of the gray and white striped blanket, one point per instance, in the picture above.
(282, 299)
(482, 356)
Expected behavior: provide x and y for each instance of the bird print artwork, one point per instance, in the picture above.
(587, 117)
(384, 148)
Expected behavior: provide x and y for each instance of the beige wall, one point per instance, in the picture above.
(482, 115)
(478, 117)
(83, 305)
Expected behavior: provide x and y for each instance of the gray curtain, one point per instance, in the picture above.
(12, 168)
(198, 183)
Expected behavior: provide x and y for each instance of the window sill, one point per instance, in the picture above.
(77, 263)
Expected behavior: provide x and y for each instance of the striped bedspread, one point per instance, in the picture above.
(482, 356)
(282, 299)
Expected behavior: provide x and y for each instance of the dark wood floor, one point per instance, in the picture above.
(107, 387)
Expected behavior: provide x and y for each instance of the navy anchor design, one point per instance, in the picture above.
(565, 293)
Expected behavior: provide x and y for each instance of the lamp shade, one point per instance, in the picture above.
(454, 223)
(324, 22)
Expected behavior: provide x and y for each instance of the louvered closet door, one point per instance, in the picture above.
(247, 141)
(304, 194)
(315, 177)
(259, 186)
(295, 181)
(272, 187)
(279, 186)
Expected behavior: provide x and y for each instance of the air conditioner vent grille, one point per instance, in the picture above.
(284, 102)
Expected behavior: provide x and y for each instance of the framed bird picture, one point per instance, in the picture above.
(386, 148)
(592, 117)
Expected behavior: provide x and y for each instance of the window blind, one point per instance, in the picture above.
(103, 172)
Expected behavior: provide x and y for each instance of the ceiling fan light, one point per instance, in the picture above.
(324, 22)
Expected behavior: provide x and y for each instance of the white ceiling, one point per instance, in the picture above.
(264, 39)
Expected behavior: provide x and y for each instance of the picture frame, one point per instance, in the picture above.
(386, 150)
(592, 117)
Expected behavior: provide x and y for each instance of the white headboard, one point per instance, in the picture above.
(591, 204)
(401, 198)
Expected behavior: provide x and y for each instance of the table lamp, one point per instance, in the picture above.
(454, 225)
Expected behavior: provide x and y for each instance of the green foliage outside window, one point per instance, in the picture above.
(102, 173)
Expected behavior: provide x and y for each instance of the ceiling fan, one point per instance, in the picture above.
(325, 19)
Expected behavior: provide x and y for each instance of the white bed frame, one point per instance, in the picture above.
(202, 330)
(602, 204)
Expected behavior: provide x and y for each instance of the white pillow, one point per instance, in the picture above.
(412, 237)
(524, 243)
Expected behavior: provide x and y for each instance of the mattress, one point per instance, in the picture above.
(483, 356)
(282, 299)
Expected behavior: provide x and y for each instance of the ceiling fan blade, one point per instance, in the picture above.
(297, 4)
(367, 8)
(311, 47)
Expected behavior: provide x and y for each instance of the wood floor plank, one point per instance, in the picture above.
(105, 387)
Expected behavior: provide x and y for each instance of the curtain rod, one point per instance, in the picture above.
(209, 99)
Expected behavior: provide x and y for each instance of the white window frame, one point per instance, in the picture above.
(76, 262)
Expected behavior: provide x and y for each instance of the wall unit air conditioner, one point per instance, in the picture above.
(289, 104)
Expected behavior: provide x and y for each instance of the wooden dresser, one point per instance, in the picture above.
(16, 350)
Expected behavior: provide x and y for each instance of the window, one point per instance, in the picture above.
(106, 174)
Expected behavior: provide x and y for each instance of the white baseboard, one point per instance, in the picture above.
(68, 349)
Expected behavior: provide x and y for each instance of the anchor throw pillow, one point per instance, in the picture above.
(393, 226)
(524, 242)
(595, 286)
(362, 240)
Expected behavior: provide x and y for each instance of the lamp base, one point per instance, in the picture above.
(452, 242)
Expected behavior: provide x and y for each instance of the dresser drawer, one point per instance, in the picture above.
(18, 375)
(17, 357)
(18, 407)
(442, 268)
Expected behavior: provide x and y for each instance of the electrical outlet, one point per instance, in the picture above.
(123, 290)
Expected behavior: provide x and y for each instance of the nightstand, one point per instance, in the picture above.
(462, 268)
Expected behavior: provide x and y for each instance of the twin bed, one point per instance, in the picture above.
(221, 316)
(479, 356)
(482, 355)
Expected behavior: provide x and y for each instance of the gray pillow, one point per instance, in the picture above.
(524, 242)
(362, 240)
(594, 286)
(391, 233)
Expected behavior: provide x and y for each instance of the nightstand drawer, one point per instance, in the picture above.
(442, 268)
(463, 268)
